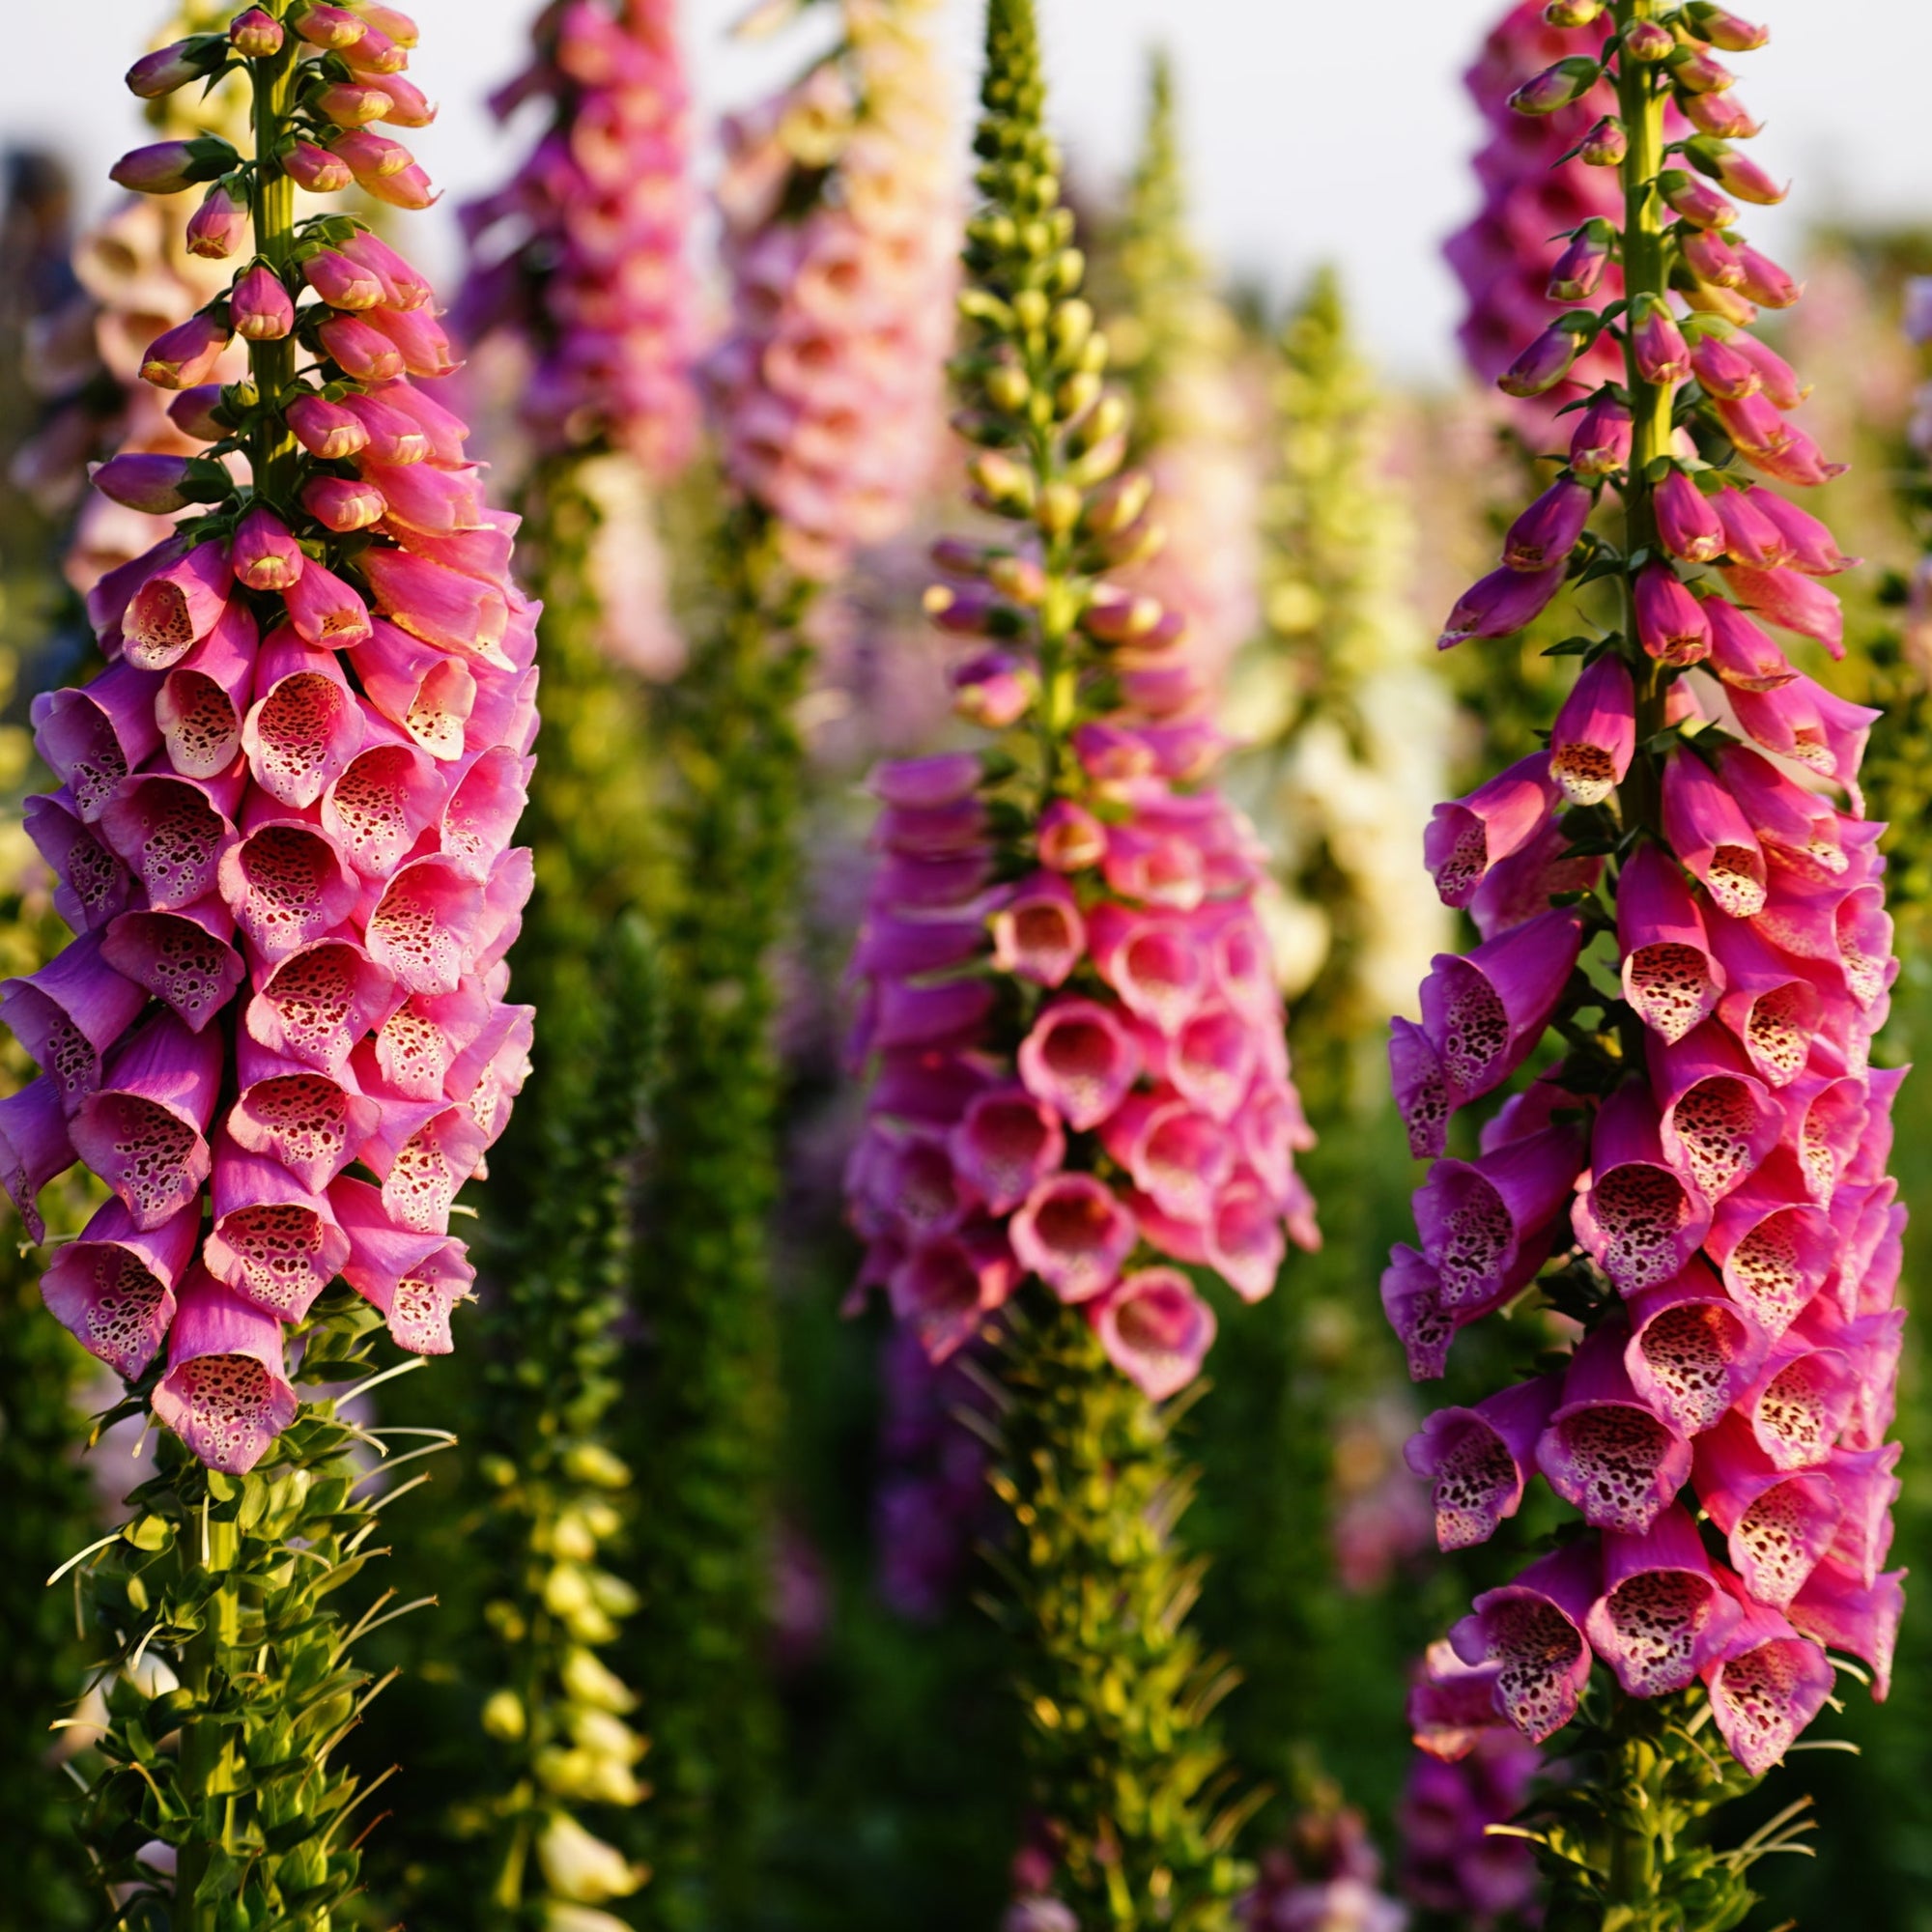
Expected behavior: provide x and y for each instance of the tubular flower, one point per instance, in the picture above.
(282, 835)
(1176, 346)
(1341, 700)
(1698, 1174)
(836, 206)
(1472, 1769)
(136, 273)
(1511, 270)
(1079, 1087)
(583, 255)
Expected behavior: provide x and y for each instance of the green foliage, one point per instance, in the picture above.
(1116, 1688)
(706, 1385)
(1623, 1837)
(230, 1582)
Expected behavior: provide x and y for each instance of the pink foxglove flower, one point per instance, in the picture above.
(282, 831)
(583, 253)
(838, 213)
(1709, 1198)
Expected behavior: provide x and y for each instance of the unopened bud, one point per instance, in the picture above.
(1112, 509)
(1737, 173)
(1649, 41)
(1031, 308)
(1720, 115)
(323, 26)
(1019, 578)
(1546, 361)
(166, 167)
(1699, 74)
(1070, 271)
(194, 413)
(1077, 394)
(1070, 838)
(1108, 417)
(260, 307)
(993, 690)
(503, 1716)
(216, 228)
(1573, 12)
(154, 485)
(1071, 324)
(1606, 145)
(1580, 269)
(1007, 388)
(1117, 616)
(959, 556)
(1060, 506)
(1002, 483)
(157, 74)
(1601, 443)
(255, 35)
(1556, 86)
(1698, 203)
(1099, 462)
(1725, 30)
(316, 169)
(1764, 283)
(1710, 257)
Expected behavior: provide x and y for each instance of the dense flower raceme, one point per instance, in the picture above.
(282, 828)
(1472, 1770)
(1506, 258)
(1081, 1074)
(1706, 1163)
(838, 214)
(138, 270)
(584, 252)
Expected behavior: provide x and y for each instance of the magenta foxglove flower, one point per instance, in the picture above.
(582, 254)
(839, 223)
(282, 835)
(1712, 1188)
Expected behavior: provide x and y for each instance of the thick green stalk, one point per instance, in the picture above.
(708, 1434)
(1641, 103)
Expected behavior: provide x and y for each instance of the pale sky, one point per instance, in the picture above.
(1317, 129)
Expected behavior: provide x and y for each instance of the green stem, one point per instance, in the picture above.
(273, 205)
(1640, 105)
(205, 1766)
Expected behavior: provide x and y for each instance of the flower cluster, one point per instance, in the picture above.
(1472, 1770)
(283, 827)
(1080, 1071)
(1685, 885)
(838, 215)
(1327, 1880)
(582, 253)
(139, 270)
(1534, 193)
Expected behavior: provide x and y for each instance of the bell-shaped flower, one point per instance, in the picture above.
(93, 738)
(1155, 1329)
(1477, 1460)
(1638, 1218)
(1039, 933)
(1663, 1613)
(305, 725)
(1466, 837)
(1485, 1225)
(1533, 1630)
(1791, 600)
(142, 1132)
(319, 1001)
(415, 1279)
(1671, 975)
(70, 1013)
(946, 1286)
(1780, 1524)
(35, 1145)
(1840, 1610)
(1080, 1061)
(1804, 721)
(274, 1242)
(1719, 1121)
(1707, 830)
(112, 1288)
(1595, 735)
(226, 1393)
(1606, 1451)
(1766, 1684)
(1692, 1353)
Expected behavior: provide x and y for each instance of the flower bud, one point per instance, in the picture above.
(350, 104)
(408, 188)
(375, 53)
(1556, 86)
(216, 228)
(1764, 283)
(1661, 355)
(1725, 30)
(1500, 605)
(370, 155)
(993, 690)
(1710, 257)
(193, 413)
(1699, 73)
(1722, 115)
(255, 35)
(186, 354)
(1545, 362)
(326, 428)
(1700, 205)
(340, 282)
(1737, 173)
(316, 169)
(1546, 533)
(1573, 12)
(503, 1716)
(1687, 526)
(150, 484)
(342, 504)
(166, 167)
(1670, 622)
(1649, 41)
(259, 306)
(1019, 578)
(1117, 505)
(1601, 443)
(160, 73)
(399, 26)
(1070, 838)
(1606, 145)
(1722, 371)
(1001, 483)
(408, 106)
(323, 26)
(263, 555)
(1579, 269)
